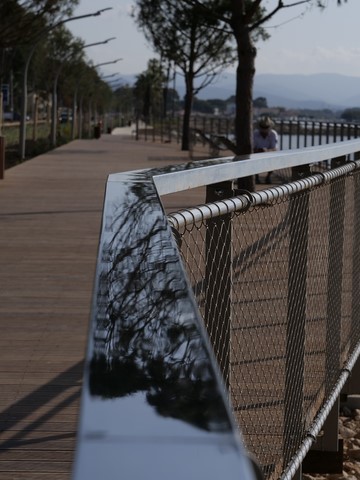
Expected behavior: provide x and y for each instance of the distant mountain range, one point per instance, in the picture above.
(324, 90)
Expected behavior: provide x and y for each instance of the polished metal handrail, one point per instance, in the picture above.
(152, 388)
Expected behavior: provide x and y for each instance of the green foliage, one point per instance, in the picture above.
(191, 37)
(246, 19)
(123, 101)
(33, 147)
(186, 35)
(209, 106)
(260, 102)
(148, 91)
(22, 20)
(351, 114)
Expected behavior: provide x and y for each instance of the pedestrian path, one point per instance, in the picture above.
(50, 215)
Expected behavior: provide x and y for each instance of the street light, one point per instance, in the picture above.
(22, 139)
(99, 43)
(108, 76)
(100, 65)
(54, 95)
(80, 103)
(108, 63)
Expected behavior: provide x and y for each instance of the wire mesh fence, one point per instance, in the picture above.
(276, 278)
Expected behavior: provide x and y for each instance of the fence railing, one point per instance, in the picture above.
(261, 287)
(292, 133)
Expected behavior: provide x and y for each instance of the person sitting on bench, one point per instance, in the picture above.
(265, 140)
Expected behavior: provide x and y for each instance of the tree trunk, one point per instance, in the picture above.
(244, 95)
(185, 144)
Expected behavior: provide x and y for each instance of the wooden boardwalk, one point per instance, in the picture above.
(50, 214)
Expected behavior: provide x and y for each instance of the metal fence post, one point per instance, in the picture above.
(353, 384)
(326, 454)
(355, 301)
(218, 279)
(295, 334)
(2, 157)
(335, 267)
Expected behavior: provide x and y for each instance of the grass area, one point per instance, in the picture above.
(37, 141)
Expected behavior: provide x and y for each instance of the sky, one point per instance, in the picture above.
(303, 40)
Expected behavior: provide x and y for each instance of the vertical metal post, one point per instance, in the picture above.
(80, 118)
(312, 134)
(35, 117)
(320, 133)
(298, 135)
(281, 134)
(329, 441)
(296, 317)
(326, 455)
(335, 275)
(137, 128)
(74, 114)
(1, 111)
(218, 279)
(352, 386)
(170, 129)
(355, 298)
(90, 115)
(2, 157)
(162, 120)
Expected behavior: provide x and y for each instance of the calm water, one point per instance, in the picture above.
(290, 142)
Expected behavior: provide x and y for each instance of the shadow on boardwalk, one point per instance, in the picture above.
(50, 216)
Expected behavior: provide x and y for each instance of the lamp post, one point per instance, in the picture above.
(81, 100)
(108, 76)
(22, 139)
(108, 63)
(54, 95)
(96, 66)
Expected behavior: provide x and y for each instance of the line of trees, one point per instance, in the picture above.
(202, 37)
(198, 38)
(58, 66)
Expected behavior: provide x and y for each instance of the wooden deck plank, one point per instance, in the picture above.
(50, 215)
(35, 456)
(24, 475)
(33, 466)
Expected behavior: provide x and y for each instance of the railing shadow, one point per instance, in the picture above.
(34, 402)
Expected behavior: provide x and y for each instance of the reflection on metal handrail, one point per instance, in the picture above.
(153, 399)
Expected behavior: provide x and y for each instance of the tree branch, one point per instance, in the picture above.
(279, 7)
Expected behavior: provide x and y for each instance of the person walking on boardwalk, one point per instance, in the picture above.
(265, 140)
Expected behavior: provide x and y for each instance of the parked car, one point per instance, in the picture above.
(65, 117)
(13, 117)
(8, 116)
